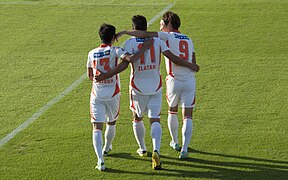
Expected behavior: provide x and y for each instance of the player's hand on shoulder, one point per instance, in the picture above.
(148, 43)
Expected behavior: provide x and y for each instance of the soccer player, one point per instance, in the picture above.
(180, 82)
(146, 88)
(105, 95)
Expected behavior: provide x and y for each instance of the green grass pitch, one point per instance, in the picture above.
(240, 120)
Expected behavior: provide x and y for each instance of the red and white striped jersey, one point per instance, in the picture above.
(145, 72)
(181, 46)
(104, 58)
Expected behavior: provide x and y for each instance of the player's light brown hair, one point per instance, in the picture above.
(173, 18)
(106, 33)
(139, 22)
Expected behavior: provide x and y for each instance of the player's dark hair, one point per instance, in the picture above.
(106, 33)
(139, 22)
(173, 18)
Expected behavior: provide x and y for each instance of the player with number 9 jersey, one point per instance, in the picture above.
(181, 46)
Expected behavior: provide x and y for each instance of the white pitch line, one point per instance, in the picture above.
(71, 3)
(42, 110)
(60, 96)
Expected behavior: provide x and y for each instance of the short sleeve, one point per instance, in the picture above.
(128, 46)
(120, 52)
(193, 50)
(163, 35)
(89, 62)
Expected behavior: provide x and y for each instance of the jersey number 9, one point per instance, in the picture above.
(183, 48)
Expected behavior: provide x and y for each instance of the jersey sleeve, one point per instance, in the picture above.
(163, 46)
(89, 61)
(120, 52)
(193, 50)
(128, 46)
(163, 35)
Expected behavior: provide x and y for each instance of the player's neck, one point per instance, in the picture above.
(175, 30)
(167, 29)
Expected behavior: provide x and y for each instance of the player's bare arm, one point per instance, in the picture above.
(90, 73)
(181, 62)
(119, 68)
(137, 33)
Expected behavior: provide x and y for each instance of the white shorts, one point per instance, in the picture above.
(104, 111)
(149, 104)
(182, 92)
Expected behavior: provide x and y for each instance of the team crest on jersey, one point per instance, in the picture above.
(180, 36)
(101, 54)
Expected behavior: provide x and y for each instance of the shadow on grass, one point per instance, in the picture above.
(230, 167)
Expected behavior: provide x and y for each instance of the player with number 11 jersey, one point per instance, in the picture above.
(145, 75)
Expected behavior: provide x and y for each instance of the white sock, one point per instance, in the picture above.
(156, 134)
(139, 132)
(97, 143)
(173, 125)
(186, 133)
(109, 136)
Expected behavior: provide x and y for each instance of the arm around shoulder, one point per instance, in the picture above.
(181, 62)
(139, 33)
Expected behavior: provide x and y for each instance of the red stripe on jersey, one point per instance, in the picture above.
(133, 84)
(167, 97)
(118, 110)
(132, 79)
(170, 63)
(160, 84)
(170, 69)
(132, 102)
(167, 43)
(159, 59)
(94, 63)
(97, 72)
(116, 62)
(117, 90)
